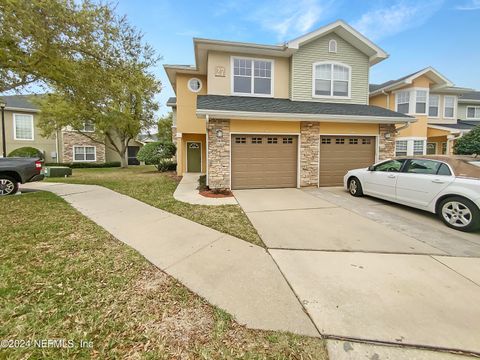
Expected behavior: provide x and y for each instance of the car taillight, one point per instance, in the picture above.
(38, 165)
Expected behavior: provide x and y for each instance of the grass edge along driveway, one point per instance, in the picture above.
(64, 277)
(146, 184)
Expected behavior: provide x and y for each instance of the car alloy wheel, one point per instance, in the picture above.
(6, 186)
(353, 187)
(457, 214)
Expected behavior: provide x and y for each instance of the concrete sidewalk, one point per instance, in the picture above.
(228, 272)
(187, 192)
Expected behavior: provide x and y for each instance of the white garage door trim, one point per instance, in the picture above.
(377, 147)
(264, 133)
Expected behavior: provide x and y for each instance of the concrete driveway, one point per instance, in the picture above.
(365, 269)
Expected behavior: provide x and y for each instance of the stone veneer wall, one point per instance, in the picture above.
(218, 154)
(386, 146)
(71, 138)
(309, 153)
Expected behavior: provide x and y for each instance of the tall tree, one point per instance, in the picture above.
(165, 128)
(469, 144)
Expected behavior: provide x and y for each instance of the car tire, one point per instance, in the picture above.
(355, 187)
(459, 213)
(8, 185)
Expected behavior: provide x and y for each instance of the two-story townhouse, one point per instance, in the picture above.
(65, 146)
(434, 101)
(291, 115)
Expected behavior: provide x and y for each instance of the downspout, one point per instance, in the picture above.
(388, 98)
(206, 149)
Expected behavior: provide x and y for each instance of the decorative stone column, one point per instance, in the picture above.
(386, 142)
(218, 135)
(309, 153)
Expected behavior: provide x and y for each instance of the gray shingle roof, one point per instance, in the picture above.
(460, 125)
(286, 106)
(375, 87)
(172, 101)
(20, 101)
(474, 95)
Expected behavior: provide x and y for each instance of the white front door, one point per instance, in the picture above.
(381, 181)
(421, 181)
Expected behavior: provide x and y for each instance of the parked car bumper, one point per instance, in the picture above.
(38, 177)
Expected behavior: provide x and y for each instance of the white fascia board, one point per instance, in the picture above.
(250, 115)
(453, 131)
(8, 108)
(468, 101)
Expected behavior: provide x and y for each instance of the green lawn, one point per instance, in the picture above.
(64, 277)
(148, 185)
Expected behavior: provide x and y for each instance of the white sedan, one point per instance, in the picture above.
(444, 185)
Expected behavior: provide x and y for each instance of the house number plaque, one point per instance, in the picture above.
(220, 71)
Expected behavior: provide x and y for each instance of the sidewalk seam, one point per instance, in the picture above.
(455, 271)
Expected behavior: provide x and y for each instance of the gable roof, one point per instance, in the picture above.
(442, 81)
(348, 33)
(274, 108)
(20, 102)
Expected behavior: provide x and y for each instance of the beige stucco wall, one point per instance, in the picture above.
(261, 126)
(222, 85)
(348, 128)
(44, 144)
(317, 50)
(187, 120)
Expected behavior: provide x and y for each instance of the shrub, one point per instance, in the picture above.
(85, 165)
(27, 152)
(166, 165)
(157, 153)
(202, 183)
(468, 144)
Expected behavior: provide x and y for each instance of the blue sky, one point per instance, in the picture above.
(439, 33)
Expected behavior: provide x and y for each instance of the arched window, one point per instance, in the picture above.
(332, 46)
(331, 79)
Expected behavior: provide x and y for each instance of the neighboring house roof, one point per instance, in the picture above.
(172, 102)
(443, 84)
(460, 126)
(145, 138)
(257, 107)
(470, 97)
(342, 29)
(20, 102)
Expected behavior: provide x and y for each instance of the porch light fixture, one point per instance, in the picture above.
(387, 136)
(219, 133)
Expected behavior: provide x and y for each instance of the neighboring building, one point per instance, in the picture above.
(291, 115)
(436, 104)
(65, 146)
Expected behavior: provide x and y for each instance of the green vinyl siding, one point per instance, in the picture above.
(317, 50)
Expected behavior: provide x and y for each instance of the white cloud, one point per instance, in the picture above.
(289, 18)
(469, 5)
(387, 21)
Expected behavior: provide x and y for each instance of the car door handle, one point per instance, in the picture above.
(391, 176)
(438, 181)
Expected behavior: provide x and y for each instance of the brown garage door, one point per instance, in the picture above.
(338, 154)
(264, 161)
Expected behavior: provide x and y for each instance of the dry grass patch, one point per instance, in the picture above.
(63, 277)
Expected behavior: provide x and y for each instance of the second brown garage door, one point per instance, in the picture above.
(264, 161)
(338, 154)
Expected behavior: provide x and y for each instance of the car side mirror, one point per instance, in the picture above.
(371, 168)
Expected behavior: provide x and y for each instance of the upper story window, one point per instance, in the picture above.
(433, 104)
(252, 77)
(332, 46)
(421, 101)
(194, 85)
(473, 112)
(88, 126)
(402, 99)
(331, 80)
(449, 107)
(23, 127)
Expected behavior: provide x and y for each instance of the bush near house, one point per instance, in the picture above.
(86, 165)
(27, 152)
(468, 144)
(159, 154)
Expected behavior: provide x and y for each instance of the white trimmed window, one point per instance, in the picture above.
(402, 99)
(84, 153)
(433, 104)
(88, 126)
(449, 107)
(331, 80)
(418, 147)
(23, 127)
(401, 147)
(473, 112)
(332, 46)
(421, 101)
(252, 77)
